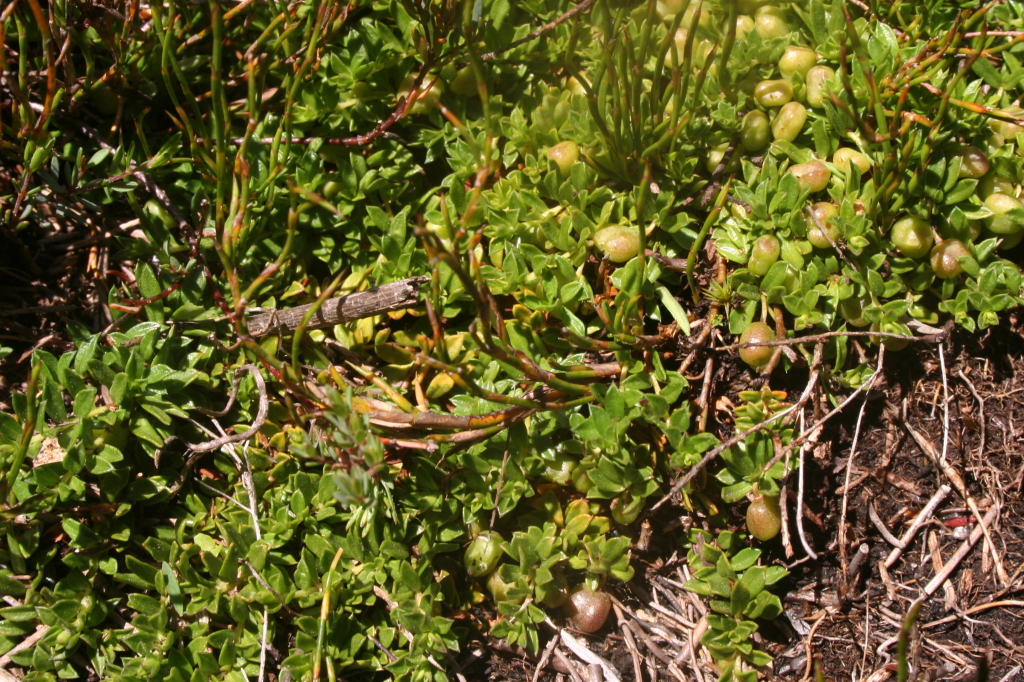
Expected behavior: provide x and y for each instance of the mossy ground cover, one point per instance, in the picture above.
(665, 258)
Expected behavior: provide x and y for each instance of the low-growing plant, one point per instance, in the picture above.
(578, 197)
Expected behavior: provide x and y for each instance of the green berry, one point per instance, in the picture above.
(618, 243)
(483, 554)
(852, 310)
(795, 62)
(1008, 130)
(973, 162)
(757, 356)
(764, 518)
(913, 236)
(773, 93)
(812, 176)
(821, 223)
(789, 121)
(464, 83)
(763, 255)
(945, 258)
(770, 22)
(564, 154)
(816, 82)
(995, 184)
(844, 157)
(754, 131)
(1000, 205)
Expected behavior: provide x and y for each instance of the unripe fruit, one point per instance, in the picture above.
(560, 470)
(973, 162)
(763, 255)
(852, 310)
(1000, 223)
(770, 22)
(764, 518)
(744, 25)
(796, 62)
(1011, 240)
(574, 86)
(483, 554)
(995, 184)
(789, 121)
(498, 588)
(813, 175)
(678, 48)
(557, 594)
(331, 189)
(945, 258)
(757, 356)
(820, 223)
(425, 101)
(889, 342)
(1006, 129)
(464, 83)
(715, 156)
(817, 78)
(773, 93)
(913, 236)
(588, 610)
(564, 154)
(754, 131)
(844, 157)
(618, 243)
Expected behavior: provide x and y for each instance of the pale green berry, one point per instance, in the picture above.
(789, 122)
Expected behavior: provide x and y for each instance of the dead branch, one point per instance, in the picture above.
(385, 298)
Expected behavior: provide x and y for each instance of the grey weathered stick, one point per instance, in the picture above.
(387, 297)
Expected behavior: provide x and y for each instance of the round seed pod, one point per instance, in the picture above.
(744, 25)
(945, 258)
(587, 610)
(715, 156)
(813, 175)
(852, 310)
(764, 517)
(773, 93)
(817, 79)
(912, 236)
(618, 242)
(1007, 130)
(789, 122)
(1010, 240)
(483, 553)
(464, 83)
(995, 184)
(498, 588)
(564, 154)
(973, 162)
(770, 22)
(889, 342)
(763, 255)
(754, 131)
(846, 159)
(425, 101)
(757, 356)
(1000, 205)
(795, 62)
(821, 223)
